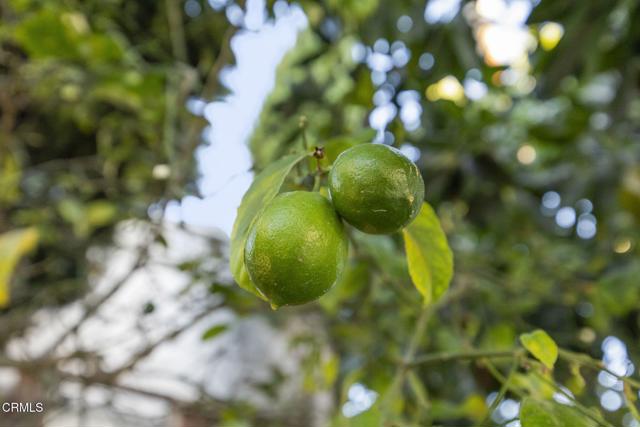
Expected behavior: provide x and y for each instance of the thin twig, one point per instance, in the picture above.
(176, 30)
(165, 338)
(209, 88)
(586, 360)
(91, 307)
(412, 348)
(501, 378)
(503, 389)
(463, 355)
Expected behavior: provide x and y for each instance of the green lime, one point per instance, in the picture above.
(376, 188)
(296, 249)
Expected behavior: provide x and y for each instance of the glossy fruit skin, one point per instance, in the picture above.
(376, 188)
(297, 248)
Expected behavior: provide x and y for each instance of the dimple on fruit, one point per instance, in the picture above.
(376, 188)
(297, 248)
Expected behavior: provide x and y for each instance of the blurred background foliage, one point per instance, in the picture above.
(531, 159)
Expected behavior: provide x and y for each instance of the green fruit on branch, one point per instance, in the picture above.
(376, 188)
(297, 248)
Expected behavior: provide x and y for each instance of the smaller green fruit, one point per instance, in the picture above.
(376, 188)
(297, 248)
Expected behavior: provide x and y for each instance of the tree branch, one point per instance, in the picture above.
(503, 389)
(165, 338)
(586, 360)
(92, 307)
(176, 30)
(432, 358)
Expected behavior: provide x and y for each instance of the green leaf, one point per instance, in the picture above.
(330, 370)
(13, 245)
(536, 383)
(46, 34)
(429, 257)
(214, 331)
(541, 346)
(263, 189)
(101, 212)
(535, 413)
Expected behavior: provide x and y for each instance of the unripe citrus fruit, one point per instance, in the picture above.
(297, 248)
(376, 188)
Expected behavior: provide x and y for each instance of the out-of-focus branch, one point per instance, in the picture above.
(586, 360)
(176, 30)
(432, 358)
(91, 307)
(165, 338)
(594, 416)
(208, 90)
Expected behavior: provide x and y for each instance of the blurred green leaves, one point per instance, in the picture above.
(85, 121)
(85, 218)
(56, 34)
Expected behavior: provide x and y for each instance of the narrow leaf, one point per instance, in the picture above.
(541, 346)
(264, 188)
(214, 332)
(429, 257)
(13, 245)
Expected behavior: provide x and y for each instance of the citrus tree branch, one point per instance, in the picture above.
(169, 336)
(433, 358)
(584, 411)
(92, 305)
(586, 360)
(504, 388)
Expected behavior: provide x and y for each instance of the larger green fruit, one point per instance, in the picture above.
(376, 188)
(297, 248)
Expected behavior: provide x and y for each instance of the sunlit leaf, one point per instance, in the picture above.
(263, 189)
(428, 254)
(13, 245)
(541, 346)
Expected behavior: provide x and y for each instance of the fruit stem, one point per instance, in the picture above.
(318, 153)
